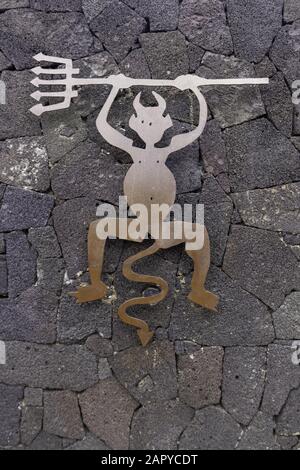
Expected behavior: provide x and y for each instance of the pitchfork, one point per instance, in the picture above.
(69, 82)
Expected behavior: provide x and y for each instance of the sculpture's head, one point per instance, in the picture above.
(149, 122)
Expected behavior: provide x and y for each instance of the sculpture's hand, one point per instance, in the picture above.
(120, 81)
(186, 82)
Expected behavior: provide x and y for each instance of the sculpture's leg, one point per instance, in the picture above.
(199, 294)
(96, 290)
(144, 333)
(201, 258)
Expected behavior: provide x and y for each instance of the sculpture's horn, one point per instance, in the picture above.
(137, 104)
(161, 102)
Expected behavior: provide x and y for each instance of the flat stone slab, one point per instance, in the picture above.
(254, 26)
(282, 377)
(279, 106)
(56, 5)
(31, 317)
(250, 260)
(166, 54)
(77, 322)
(274, 208)
(218, 211)
(10, 398)
(50, 274)
(107, 411)
(89, 442)
(235, 104)
(45, 441)
(31, 424)
(15, 119)
(49, 367)
(24, 33)
(21, 263)
(200, 377)
(135, 65)
(63, 131)
(22, 209)
(118, 28)
(289, 419)
(291, 10)
(44, 241)
(24, 163)
(285, 52)
(204, 24)
(211, 429)
(2, 243)
(259, 156)
(213, 150)
(4, 62)
(62, 415)
(243, 320)
(90, 98)
(260, 434)
(3, 276)
(84, 173)
(162, 16)
(93, 8)
(8, 4)
(33, 397)
(156, 364)
(287, 319)
(243, 382)
(71, 222)
(159, 426)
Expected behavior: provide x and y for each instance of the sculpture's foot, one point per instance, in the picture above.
(145, 336)
(90, 293)
(205, 299)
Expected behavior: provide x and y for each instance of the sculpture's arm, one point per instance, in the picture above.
(183, 140)
(109, 133)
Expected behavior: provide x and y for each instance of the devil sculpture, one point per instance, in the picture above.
(148, 182)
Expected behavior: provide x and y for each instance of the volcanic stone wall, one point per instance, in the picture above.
(75, 377)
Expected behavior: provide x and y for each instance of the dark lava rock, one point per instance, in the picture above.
(243, 319)
(10, 398)
(22, 209)
(62, 415)
(254, 26)
(200, 377)
(282, 377)
(156, 362)
(107, 411)
(204, 23)
(49, 367)
(211, 429)
(166, 54)
(24, 33)
(250, 260)
(118, 28)
(243, 382)
(159, 426)
(21, 263)
(259, 156)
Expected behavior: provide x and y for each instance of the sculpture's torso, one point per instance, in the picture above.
(149, 181)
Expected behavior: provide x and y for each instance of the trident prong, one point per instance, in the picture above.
(67, 70)
(40, 71)
(37, 95)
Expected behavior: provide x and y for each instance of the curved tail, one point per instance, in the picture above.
(144, 332)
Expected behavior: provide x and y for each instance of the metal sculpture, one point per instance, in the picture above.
(148, 181)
